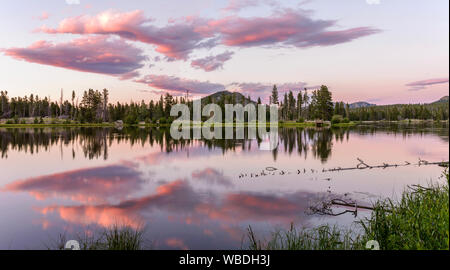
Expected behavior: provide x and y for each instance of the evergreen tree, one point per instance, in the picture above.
(299, 104)
(322, 106)
(274, 97)
(291, 106)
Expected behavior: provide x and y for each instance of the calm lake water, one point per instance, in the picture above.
(198, 194)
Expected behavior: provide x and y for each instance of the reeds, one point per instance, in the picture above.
(113, 238)
(418, 221)
(321, 238)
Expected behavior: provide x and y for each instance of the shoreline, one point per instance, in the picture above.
(280, 124)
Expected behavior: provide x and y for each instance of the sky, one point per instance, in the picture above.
(380, 51)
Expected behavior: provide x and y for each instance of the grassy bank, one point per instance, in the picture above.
(405, 121)
(54, 125)
(296, 124)
(418, 220)
(280, 124)
(344, 125)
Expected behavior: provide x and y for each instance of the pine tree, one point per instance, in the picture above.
(291, 106)
(105, 104)
(322, 104)
(299, 104)
(274, 97)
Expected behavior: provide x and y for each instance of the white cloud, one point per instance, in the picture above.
(73, 2)
(373, 2)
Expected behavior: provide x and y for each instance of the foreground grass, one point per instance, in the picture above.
(320, 238)
(113, 238)
(418, 221)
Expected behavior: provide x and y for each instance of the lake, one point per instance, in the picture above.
(199, 194)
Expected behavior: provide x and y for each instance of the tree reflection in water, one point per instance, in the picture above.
(94, 142)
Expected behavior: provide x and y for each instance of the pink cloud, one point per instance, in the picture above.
(180, 85)
(98, 184)
(286, 28)
(264, 90)
(176, 243)
(257, 207)
(212, 176)
(212, 63)
(176, 196)
(265, 87)
(44, 16)
(237, 5)
(87, 54)
(179, 38)
(419, 85)
(175, 41)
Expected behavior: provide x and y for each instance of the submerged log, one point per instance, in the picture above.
(325, 208)
(346, 204)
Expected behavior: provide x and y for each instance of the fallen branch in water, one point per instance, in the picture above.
(362, 165)
(361, 162)
(272, 171)
(340, 202)
(325, 208)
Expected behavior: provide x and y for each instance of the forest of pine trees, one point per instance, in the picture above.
(94, 107)
(436, 111)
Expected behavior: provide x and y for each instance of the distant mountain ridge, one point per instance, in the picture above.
(239, 98)
(361, 104)
(442, 100)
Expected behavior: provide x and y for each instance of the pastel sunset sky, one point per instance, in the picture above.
(380, 51)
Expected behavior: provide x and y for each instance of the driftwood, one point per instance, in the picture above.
(419, 188)
(363, 166)
(325, 208)
(340, 202)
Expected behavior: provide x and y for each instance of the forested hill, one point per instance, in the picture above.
(438, 110)
(361, 104)
(228, 98)
(442, 100)
(364, 104)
